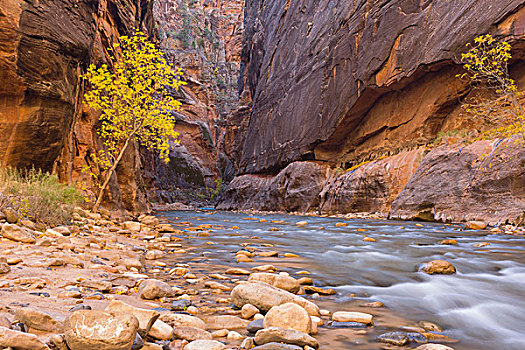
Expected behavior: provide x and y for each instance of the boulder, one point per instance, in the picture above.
(152, 289)
(437, 267)
(39, 320)
(264, 296)
(288, 336)
(89, 329)
(18, 234)
(288, 316)
(132, 226)
(10, 338)
(476, 225)
(282, 281)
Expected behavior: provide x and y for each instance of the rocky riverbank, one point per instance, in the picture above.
(112, 284)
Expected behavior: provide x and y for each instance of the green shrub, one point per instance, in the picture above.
(38, 196)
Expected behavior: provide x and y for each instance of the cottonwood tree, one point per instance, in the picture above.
(497, 99)
(135, 100)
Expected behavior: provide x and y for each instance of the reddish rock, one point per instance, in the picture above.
(456, 183)
(438, 267)
(295, 188)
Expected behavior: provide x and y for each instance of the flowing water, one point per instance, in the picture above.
(482, 305)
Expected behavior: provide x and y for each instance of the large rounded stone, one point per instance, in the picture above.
(225, 322)
(38, 320)
(288, 336)
(264, 296)
(89, 329)
(289, 316)
(437, 267)
(434, 347)
(153, 289)
(18, 234)
(282, 281)
(205, 345)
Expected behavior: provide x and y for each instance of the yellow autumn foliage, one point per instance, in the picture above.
(135, 99)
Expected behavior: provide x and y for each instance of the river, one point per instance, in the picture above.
(482, 305)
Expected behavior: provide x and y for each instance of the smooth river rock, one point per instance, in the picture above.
(153, 289)
(288, 336)
(437, 267)
(282, 281)
(347, 316)
(39, 320)
(264, 296)
(289, 316)
(205, 345)
(89, 329)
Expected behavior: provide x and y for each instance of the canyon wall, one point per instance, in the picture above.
(46, 46)
(371, 87)
(345, 81)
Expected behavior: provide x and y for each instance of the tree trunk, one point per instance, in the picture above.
(110, 173)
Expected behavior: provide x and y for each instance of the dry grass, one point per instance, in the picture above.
(38, 196)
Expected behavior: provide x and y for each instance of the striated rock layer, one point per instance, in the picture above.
(342, 81)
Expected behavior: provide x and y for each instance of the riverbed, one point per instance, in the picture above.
(482, 305)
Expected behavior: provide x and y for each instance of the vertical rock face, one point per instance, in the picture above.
(344, 80)
(204, 39)
(46, 46)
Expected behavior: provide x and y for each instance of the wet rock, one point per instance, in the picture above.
(346, 316)
(430, 326)
(180, 305)
(145, 317)
(277, 346)
(476, 225)
(191, 333)
(395, 338)
(248, 311)
(17, 233)
(264, 268)
(282, 281)
(255, 326)
(20, 341)
(264, 296)
(322, 291)
(288, 336)
(152, 289)
(89, 329)
(437, 267)
(217, 285)
(225, 322)
(39, 320)
(237, 271)
(154, 254)
(288, 316)
(205, 345)
(347, 325)
(449, 242)
(181, 320)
